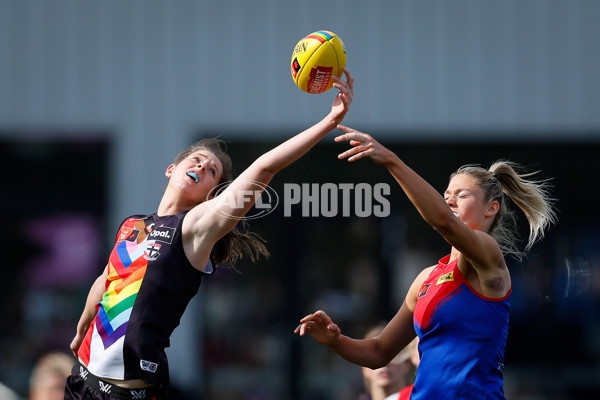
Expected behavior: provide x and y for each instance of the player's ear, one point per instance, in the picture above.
(493, 208)
(169, 170)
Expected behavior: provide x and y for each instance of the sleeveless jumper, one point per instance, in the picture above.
(150, 283)
(462, 338)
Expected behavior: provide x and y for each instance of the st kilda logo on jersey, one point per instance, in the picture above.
(152, 251)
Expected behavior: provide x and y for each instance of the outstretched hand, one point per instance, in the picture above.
(320, 327)
(363, 145)
(341, 103)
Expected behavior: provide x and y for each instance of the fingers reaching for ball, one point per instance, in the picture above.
(345, 87)
(349, 79)
(363, 145)
(342, 101)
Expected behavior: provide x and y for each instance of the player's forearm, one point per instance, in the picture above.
(366, 353)
(424, 197)
(289, 151)
(262, 171)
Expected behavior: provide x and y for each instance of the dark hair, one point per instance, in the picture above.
(239, 241)
(532, 197)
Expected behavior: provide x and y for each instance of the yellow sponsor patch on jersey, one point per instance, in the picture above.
(449, 277)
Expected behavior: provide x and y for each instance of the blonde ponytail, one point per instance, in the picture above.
(532, 197)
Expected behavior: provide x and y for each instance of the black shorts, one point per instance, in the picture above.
(82, 385)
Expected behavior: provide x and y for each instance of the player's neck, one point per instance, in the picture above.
(171, 205)
(454, 254)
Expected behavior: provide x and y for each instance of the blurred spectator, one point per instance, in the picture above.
(395, 380)
(49, 375)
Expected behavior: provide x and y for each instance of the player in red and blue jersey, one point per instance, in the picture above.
(469, 357)
(459, 308)
(159, 260)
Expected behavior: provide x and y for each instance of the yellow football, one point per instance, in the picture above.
(315, 58)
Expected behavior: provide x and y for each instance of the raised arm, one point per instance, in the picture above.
(479, 248)
(214, 218)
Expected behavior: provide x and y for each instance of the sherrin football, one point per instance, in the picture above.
(315, 58)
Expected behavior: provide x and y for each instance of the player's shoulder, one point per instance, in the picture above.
(424, 274)
(133, 218)
(412, 295)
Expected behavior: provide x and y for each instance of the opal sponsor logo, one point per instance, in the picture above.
(162, 234)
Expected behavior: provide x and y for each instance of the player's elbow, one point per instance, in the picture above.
(264, 170)
(380, 358)
(379, 362)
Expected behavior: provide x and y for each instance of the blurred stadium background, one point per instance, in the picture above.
(96, 98)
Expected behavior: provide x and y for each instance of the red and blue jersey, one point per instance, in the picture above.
(404, 394)
(462, 338)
